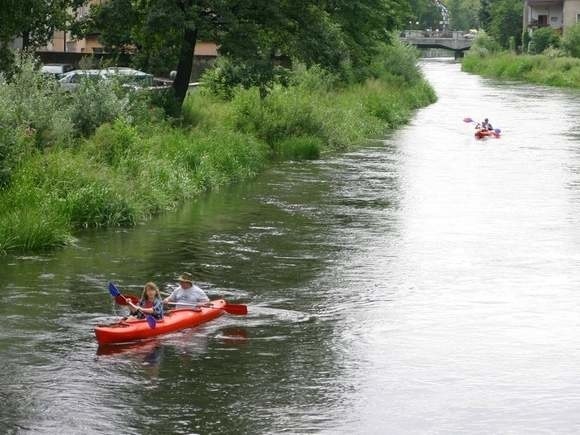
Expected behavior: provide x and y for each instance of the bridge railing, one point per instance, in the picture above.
(456, 34)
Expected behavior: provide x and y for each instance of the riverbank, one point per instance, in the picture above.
(129, 170)
(540, 69)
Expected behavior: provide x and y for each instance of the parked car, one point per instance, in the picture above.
(72, 79)
(56, 70)
(128, 77)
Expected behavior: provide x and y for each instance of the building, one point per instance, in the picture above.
(63, 41)
(558, 14)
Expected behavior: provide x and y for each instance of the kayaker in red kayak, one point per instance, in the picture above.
(485, 125)
(150, 303)
(187, 292)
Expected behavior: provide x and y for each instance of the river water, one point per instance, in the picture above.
(427, 283)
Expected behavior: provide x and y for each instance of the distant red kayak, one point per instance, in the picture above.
(483, 133)
(133, 330)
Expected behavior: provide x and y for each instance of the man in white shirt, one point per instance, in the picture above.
(186, 293)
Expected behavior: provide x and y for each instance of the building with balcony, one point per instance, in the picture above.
(558, 14)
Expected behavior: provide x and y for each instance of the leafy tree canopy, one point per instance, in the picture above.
(506, 21)
(331, 33)
(463, 14)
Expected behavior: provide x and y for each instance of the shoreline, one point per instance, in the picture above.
(562, 72)
(125, 174)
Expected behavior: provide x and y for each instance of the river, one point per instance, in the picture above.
(427, 283)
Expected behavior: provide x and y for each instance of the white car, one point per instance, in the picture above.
(72, 79)
(56, 70)
(128, 77)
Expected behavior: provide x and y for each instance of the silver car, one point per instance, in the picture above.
(72, 79)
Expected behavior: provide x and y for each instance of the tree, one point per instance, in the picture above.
(163, 33)
(427, 13)
(485, 14)
(506, 21)
(35, 21)
(463, 14)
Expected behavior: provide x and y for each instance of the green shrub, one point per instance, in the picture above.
(542, 39)
(112, 142)
(204, 110)
(95, 102)
(399, 60)
(285, 112)
(554, 52)
(35, 104)
(484, 45)
(571, 41)
(227, 75)
(313, 79)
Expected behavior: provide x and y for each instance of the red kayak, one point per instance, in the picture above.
(126, 331)
(483, 133)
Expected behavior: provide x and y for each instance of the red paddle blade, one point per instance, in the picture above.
(122, 299)
(236, 309)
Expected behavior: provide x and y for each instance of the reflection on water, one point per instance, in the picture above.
(425, 283)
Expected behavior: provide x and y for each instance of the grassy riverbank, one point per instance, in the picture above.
(136, 163)
(540, 69)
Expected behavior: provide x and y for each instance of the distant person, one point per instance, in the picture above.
(186, 293)
(150, 303)
(486, 125)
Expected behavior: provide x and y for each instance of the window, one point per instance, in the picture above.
(542, 20)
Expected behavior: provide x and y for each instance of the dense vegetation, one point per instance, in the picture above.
(102, 157)
(342, 36)
(463, 14)
(551, 60)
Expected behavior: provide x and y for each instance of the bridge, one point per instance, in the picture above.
(458, 42)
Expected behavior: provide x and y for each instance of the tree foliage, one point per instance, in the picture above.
(463, 14)
(427, 13)
(34, 21)
(506, 21)
(542, 39)
(331, 33)
(571, 41)
(485, 14)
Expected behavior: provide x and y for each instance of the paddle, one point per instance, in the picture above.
(119, 298)
(122, 300)
(235, 309)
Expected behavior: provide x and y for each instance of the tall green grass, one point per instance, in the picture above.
(541, 69)
(131, 168)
